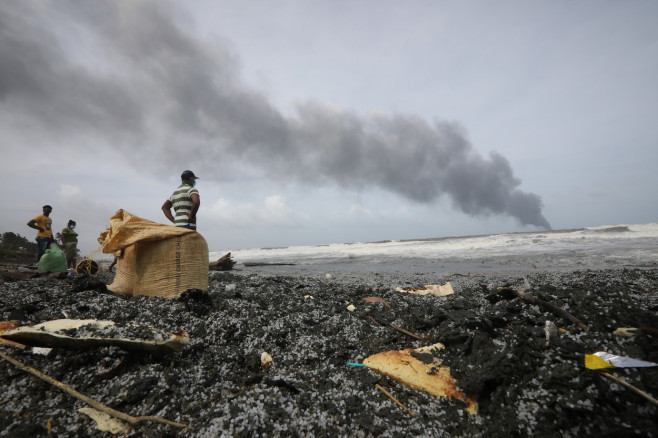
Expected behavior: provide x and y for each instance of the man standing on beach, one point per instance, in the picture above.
(43, 224)
(185, 201)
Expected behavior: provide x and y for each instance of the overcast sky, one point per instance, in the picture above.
(313, 122)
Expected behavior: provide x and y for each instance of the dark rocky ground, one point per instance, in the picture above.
(496, 347)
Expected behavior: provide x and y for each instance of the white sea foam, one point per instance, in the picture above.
(635, 245)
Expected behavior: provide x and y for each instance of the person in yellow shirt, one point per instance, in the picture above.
(43, 224)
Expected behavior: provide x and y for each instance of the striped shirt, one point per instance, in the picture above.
(181, 200)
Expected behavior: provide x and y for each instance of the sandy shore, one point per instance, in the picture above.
(496, 348)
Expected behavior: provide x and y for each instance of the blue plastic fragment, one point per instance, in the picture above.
(353, 364)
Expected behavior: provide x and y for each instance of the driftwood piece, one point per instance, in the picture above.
(552, 307)
(631, 387)
(54, 334)
(19, 275)
(96, 405)
(378, 386)
(375, 300)
(225, 263)
(406, 332)
(400, 329)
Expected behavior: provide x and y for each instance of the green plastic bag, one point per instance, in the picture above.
(53, 260)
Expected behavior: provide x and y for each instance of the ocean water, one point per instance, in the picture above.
(583, 248)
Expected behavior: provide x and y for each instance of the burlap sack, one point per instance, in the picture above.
(158, 260)
(124, 277)
(167, 268)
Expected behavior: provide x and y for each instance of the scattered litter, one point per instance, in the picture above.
(225, 263)
(328, 276)
(429, 289)
(41, 350)
(80, 396)
(280, 383)
(230, 287)
(309, 297)
(87, 266)
(265, 360)
(351, 308)
(376, 300)
(378, 386)
(105, 422)
(92, 333)
(429, 375)
(601, 360)
(552, 307)
(632, 331)
(550, 330)
(354, 364)
(631, 387)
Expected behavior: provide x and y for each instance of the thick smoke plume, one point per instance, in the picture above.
(130, 74)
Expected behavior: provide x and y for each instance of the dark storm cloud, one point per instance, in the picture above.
(129, 73)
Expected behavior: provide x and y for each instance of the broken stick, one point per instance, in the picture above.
(99, 406)
(631, 387)
(378, 386)
(400, 329)
(555, 309)
(406, 332)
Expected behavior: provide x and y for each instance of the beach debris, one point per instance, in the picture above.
(197, 301)
(420, 369)
(550, 330)
(309, 297)
(632, 331)
(406, 332)
(17, 275)
(265, 360)
(602, 360)
(105, 422)
(256, 264)
(552, 307)
(92, 333)
(230, 287)
(328, 276)
(41, 350)
(395, 327)
(375, 300)
(429, 289)
(631, 387)
(87, 266)
(224, 263)
(388, 394)
(12, 343)
(111, 371)
(93, 403)
(86, 282)
(354, 364)
(351, 308)
(280, 383)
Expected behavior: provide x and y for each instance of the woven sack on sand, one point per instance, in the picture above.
(158, 260)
